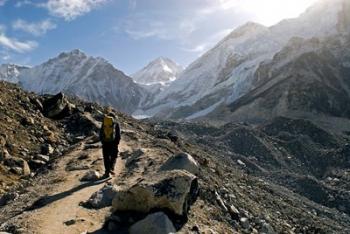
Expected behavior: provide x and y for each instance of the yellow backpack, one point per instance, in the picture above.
(108, 129)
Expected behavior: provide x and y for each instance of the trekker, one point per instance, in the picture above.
(110, 138)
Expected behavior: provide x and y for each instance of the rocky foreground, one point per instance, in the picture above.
(286, 177)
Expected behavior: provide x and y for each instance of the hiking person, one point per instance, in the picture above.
(110, 138)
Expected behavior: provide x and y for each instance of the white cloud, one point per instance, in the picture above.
(198, 48)
(37, 29)
(14, 44)
(208, 43)
(141, 27)
(71, 9)
(23, 3)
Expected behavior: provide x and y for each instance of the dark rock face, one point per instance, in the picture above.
(56, 107)
(306, 79)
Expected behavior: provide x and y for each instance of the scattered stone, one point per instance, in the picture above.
(172, 190)
(47, 149)
(36, 164)
(233, 212)
(182, 161)
(102, 198)
(244, 223)
(220, 201)
(8, 197)
(43, 158)
(157, 223)
(209, 231)
(14, 163)
(37, 103)
(91, 176)
(70, 222)
(26, 121)
(266, 228)
(83, 157)
(173, 136)
(241, 163)
(4, 154)
(3, 140)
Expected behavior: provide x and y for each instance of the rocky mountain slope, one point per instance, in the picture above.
(238, 170)
(10, 72)
(294, 153)
(161, 71)
(89, 78)
(307, 79)
(29, 140)
(227, 71)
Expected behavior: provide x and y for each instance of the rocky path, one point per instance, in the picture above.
(59, 210)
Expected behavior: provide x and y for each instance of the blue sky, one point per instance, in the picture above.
(128, 33)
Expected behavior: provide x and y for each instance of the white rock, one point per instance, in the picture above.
(244, 223)
(182, 161)
(43, 158)
(91, 176)
(241, 163)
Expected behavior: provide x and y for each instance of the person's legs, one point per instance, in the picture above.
(114, 157)
(106, 159)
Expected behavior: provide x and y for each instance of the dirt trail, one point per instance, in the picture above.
(66, 195)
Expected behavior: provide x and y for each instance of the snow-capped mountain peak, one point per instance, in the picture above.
(10, 72)
(90, 78)
(160, 71)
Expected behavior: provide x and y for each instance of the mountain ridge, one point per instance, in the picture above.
(92, 79)
(226, 72)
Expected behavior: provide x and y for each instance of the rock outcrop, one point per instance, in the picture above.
(173, 191)
(56, 107)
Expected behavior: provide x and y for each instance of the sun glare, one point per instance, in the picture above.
(269, 12)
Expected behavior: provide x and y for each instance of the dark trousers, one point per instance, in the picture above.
(110, 154)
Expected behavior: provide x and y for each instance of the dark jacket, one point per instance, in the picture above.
(117, 135)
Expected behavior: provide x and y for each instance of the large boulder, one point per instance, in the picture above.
(56, 107)
(173, 191)
(156, 223)
(181, 161)
(18, 165)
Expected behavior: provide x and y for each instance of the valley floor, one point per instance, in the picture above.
(232, 199)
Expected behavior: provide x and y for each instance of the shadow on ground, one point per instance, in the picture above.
(46, 200)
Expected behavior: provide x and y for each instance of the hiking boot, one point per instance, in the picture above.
(105, 176)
